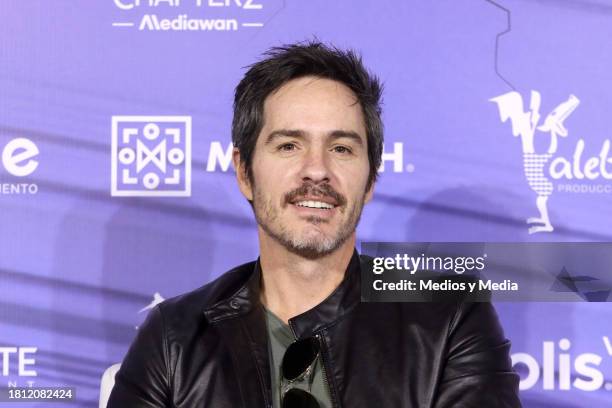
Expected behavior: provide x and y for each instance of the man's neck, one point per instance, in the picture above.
(292, 284)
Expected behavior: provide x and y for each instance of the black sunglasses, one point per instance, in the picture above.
(299, 362)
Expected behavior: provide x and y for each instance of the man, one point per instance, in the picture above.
(289, 330)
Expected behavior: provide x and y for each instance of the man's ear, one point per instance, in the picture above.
(370, 192)
(243, 180)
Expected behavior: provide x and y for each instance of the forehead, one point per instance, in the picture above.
(314, 105)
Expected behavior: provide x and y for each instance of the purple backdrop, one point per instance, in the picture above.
(77, 264)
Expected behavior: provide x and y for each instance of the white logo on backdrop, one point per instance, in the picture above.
(525, 124)
(557, 371)
(151, 156)
(220, 158)
(20, 362)
(18, 159)
(157, 299)
(182, 21)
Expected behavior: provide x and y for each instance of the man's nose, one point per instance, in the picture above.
(315, 166)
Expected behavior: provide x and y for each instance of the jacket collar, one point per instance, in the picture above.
(240, 321)
(339, 302)
(344, 298)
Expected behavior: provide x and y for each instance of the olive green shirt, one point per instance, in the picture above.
(280, 337)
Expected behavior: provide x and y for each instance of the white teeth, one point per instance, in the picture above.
(314, 204)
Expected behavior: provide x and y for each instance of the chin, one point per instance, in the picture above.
(316, 242)
(312, 250)
(312, 240)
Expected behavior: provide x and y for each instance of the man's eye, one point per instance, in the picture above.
(286, 147)
(342, 150)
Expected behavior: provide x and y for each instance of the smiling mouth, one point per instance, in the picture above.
(319, 205)
(313, 199)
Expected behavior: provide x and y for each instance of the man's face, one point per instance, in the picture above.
(310, 166)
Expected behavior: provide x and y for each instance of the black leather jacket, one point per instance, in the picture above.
(208, 348)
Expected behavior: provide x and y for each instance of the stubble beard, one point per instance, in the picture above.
(312, 243)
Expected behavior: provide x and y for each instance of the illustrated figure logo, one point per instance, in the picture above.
(525, 124)
(151, 156)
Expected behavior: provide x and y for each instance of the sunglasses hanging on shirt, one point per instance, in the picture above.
(299, 362)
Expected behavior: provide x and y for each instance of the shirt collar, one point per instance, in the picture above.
(343, 299)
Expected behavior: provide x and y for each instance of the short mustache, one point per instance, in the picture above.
(316, 190)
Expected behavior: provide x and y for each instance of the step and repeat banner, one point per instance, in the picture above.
(117, 191)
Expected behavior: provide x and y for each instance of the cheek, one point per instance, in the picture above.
(267, 166)
(276, 175)
(354, 177)
(267, 187)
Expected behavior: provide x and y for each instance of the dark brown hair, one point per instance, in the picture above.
(282, 64)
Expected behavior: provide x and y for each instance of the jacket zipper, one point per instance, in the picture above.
(324, 368)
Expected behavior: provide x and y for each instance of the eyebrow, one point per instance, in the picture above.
(299, 134)
(348, 134)
(284, 133)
